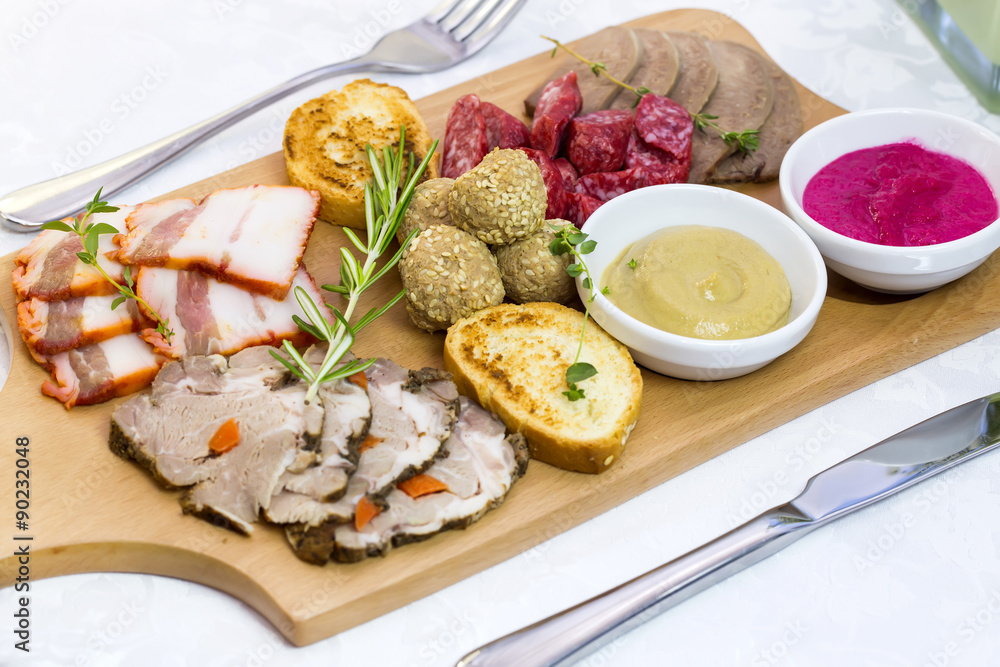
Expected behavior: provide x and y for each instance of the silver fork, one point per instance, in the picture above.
(452, 32)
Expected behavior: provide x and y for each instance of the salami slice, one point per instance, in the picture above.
(554, 188)
(568, 171)
(661, 141)
(502, 129)
(560, 101)
(605, 186)
(666, 125)
(580, 207)
(465, 142)
(597, 141)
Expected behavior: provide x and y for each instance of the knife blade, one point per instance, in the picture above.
(898, 462)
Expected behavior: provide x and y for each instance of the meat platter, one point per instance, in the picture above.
(95, 512)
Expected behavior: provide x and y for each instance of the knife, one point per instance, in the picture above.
(896, 463)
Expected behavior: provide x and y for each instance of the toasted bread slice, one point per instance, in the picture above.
(513, 359)
(325, 141)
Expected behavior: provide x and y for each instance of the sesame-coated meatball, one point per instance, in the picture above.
(530, 272)
(428, 206)
(448, 274)
(500, 200)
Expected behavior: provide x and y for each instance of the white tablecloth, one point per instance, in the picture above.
(911, 581)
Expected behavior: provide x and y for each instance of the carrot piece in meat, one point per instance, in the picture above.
(421, 485)
(359, 379)
(226, 437)
(365, 512)
(369, 442)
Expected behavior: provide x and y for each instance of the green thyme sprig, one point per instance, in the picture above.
(385, 204)
(571, 241)
(745, 140)
(90, 235)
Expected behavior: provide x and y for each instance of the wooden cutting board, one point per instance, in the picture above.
(90, 511)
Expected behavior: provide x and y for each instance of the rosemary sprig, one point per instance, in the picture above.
(385, 204)
(745, 140)
(90, 236)
(571, 241)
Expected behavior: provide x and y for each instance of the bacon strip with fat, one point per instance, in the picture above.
(51, 327)
(49, 269)
(209, 317)
(253, 237)
(96, 373)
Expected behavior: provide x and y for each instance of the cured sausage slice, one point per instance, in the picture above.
(465, 143)
(502, 129)
(666, 125)
(560, 101)
(555, 190)
(568, 171)
(605, 186)
(580, 207)
(597, 141)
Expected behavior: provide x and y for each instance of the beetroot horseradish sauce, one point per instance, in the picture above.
(901, 195)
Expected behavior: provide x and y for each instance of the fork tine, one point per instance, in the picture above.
(480, 35)
(442, 10)
(474, 19)
(458, 13)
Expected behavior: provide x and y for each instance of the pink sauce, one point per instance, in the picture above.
(900, 195)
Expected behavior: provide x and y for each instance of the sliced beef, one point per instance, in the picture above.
(698, 73)
(481, 465)
(617, 47)
(413, 413)
(782, 127)
(742, 101)
(657, 72)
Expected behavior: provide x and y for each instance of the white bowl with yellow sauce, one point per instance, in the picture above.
(630, 218)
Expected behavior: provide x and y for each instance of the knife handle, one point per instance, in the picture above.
(568, 635)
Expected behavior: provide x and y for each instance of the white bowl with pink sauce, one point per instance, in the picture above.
(888, 268)
(635, 215)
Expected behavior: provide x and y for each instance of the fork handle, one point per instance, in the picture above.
(571, 634)
(27, 209)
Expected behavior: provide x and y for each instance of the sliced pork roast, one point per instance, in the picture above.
(170, 431)
(412, 414)
(347, 414)
(482, 462)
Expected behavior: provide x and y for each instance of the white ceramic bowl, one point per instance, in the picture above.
(893, 269)
(639, 213)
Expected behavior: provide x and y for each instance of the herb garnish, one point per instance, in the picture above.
(746, 140)
(90, 236)
(571, 241)
(385, 204)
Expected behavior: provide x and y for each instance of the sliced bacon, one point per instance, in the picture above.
(100, 372)
(253, 237)
(209, 317)
(48, 268)
(51, 327)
